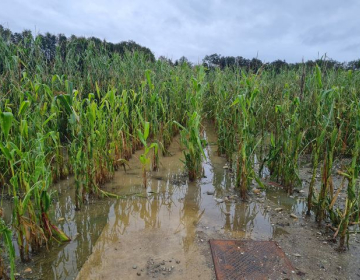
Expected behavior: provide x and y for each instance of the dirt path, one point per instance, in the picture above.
(154, 253)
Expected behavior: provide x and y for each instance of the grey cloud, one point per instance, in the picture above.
(172, 22)
(331, 33)
(352, 48)
(283, 29)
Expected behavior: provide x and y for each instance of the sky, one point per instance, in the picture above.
(279, 29)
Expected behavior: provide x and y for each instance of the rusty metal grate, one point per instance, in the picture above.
(248, 259)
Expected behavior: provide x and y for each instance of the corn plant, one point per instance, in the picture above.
(144, 157)
(6, 234)
(285, 143)
(350, 213)
(193, 153)
(247, 135)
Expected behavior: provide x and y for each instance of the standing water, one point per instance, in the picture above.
(125, 238)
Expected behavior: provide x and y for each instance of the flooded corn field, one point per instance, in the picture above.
(116, 163)
(163, 231)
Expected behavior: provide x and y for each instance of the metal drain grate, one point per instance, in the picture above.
(248, 259)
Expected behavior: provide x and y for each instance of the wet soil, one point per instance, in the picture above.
(162, 232)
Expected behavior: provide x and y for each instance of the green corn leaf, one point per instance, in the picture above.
(141, 137)
(26, 199)
(236, 101)
(146, 130)
(143, 159)
(24, 128)
(154, 146)
(66, 102)
(318, 76)
(46, 201)
(6, 123)
(7, 236)
(147, 74)
(49, 119)
(69, 88)
(78, 155)
(272, 140)
(97, 90)
(6, 152)
(179, 125)
(55, 231)
(24, 105)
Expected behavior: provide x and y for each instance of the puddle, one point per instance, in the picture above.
(163, 222)
(295, 204)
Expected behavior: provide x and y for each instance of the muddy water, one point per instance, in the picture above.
(162, 222)
(164, 227)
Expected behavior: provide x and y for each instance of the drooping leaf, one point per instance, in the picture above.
(6, 123)
(24, 105)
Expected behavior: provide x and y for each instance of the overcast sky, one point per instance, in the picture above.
(277, 29)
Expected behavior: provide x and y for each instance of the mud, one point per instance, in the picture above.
(162, 232)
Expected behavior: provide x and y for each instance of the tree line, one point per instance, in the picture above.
(219, 61)
(52, 45)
